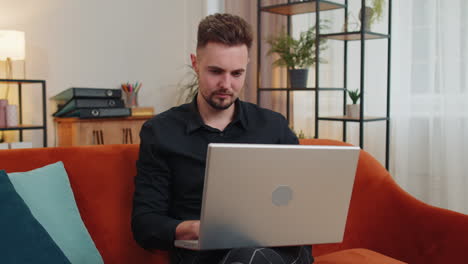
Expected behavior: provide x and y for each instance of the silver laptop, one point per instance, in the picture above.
(274, 195)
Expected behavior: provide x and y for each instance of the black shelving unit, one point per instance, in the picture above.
(21, 127)
(291, 8)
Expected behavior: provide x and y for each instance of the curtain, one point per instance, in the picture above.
(271, 77)
(430, 101)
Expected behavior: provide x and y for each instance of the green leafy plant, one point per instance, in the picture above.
(378, 7)
(297, 53)
(188, 87)
(354, 95)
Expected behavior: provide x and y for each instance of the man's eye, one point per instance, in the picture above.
(236, 74)
(215, 71)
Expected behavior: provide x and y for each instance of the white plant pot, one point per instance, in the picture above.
(353, 110)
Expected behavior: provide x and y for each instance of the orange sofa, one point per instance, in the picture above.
(385, 224)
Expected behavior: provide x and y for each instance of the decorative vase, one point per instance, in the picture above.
(3, 104)
(369, 12)
(353, 111)
(298, 78)
(351, 25)
(12, 115)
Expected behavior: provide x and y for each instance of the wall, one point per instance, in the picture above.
(89, 43)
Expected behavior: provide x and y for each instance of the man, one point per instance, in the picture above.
(171, 164)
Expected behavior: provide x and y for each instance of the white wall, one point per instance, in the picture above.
(102, 43)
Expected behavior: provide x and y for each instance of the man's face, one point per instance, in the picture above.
(221, 73)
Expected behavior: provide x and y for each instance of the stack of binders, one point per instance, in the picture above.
(90, 103)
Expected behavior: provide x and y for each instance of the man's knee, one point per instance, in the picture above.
(252, 255)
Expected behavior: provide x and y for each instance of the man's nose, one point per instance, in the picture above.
(225, 81)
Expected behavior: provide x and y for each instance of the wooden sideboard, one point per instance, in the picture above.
(73, 131)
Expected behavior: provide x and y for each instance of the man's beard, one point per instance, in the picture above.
(216, 105)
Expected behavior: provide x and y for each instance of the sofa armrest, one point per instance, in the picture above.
(425, 234)
(385, 218)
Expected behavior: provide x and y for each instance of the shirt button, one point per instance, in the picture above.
(221, 134)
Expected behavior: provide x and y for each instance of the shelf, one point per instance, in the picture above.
(349, 119)
(77, 119)
(308, 89)
(301, 7)
(355, 35)
(22, 127)
(21, 81)
(19, 84)
(294, 7)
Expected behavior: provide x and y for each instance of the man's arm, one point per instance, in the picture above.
(152, 227)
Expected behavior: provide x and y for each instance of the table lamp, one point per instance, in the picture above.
(12, 47)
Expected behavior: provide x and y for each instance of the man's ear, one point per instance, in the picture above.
(193, 58)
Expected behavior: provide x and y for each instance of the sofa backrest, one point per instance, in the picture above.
(102, 181)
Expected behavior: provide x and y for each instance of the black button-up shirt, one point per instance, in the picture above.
(171, 164)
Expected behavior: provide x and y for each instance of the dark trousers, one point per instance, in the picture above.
(275, 255)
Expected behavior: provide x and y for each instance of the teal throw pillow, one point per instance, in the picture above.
(48, 194)
(23, 239)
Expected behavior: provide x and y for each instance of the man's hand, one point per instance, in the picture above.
(188, 230)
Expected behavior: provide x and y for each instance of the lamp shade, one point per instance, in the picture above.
(12, 45)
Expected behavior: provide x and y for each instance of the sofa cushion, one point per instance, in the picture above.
(48, 194)
(23, 239)
(355, 256)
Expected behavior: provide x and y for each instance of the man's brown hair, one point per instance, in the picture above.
(227, 29)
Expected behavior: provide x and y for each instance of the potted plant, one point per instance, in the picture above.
(373, 11)
(297, 54)
(300, 134)
(353, 110)
(188, 87)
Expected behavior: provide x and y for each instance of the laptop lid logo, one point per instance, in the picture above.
(282, 195)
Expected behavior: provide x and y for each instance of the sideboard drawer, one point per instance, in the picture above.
(73, 131)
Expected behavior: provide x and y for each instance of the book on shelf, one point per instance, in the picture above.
(99, 112)
(88, 103)
(76, 92)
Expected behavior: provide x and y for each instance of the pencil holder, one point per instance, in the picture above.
(131, 100)
(131, 93)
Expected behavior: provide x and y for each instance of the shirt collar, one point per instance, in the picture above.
(195, 121)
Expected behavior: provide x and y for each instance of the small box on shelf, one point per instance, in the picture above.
(142, 111)
(20, 145)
